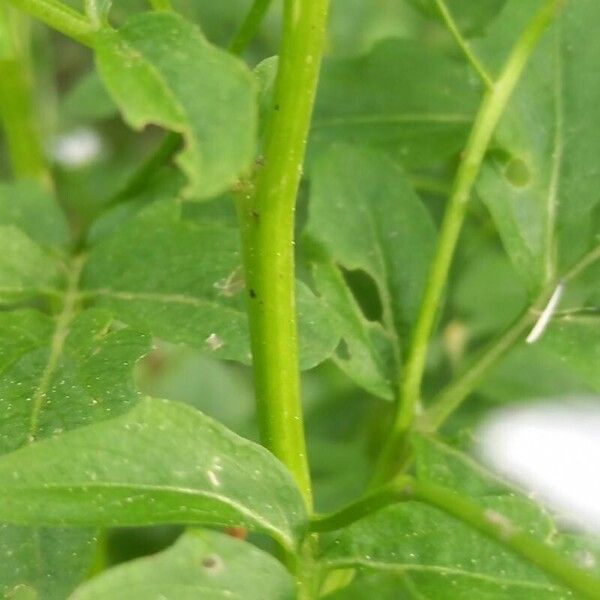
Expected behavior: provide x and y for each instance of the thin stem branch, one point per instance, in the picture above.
(267, 224)
(249, 26)
(16, 100)
(396, 491)
(451, 398)
(455, 394)
(582, 264)
(463, 44)
(492, 108)
(60, 17)
(502, 530)
(489, 523)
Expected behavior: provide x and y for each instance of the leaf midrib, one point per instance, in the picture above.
(444, 571)
(57, 342)
(166, 489)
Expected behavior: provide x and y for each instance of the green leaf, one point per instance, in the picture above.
(540, 184)
(194, 294)
(365, 217)
(58, 378)
(440, 556)
(531, 372)
(576, 343)
(88, 99)
(470, 16)
(27, 206)
(361, 358)
(388, 586)
(442, 464)
(45, 563)
(401, 97)
(160, 70)
(25, 267)
(202, 564)
(487, 295)
(163, 462)
(32, 228)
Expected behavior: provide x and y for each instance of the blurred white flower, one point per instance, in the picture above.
(77, 148)
(553, 451)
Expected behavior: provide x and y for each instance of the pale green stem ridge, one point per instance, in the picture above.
(60, 17)
(463, 44)
(17, 112)
(267, 224)
(249, 26)
(492, 108)
(490, 523)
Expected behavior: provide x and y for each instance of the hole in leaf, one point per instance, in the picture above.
(365, 292)
(517, 172)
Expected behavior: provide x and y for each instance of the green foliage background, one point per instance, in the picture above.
(113, 295)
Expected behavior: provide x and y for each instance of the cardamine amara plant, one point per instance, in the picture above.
(394, 203)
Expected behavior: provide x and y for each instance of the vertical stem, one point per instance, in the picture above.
(267, 224)
(249, 26)
(492, 107)
(16, 102)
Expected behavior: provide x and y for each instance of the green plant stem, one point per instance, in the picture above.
(396, 491)
(249, 26)
(487, 522)
(503, 531)
(463, 44)
(267, 224)
(16, 100)
(60, 17)
(492, 108)
(455, 394)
